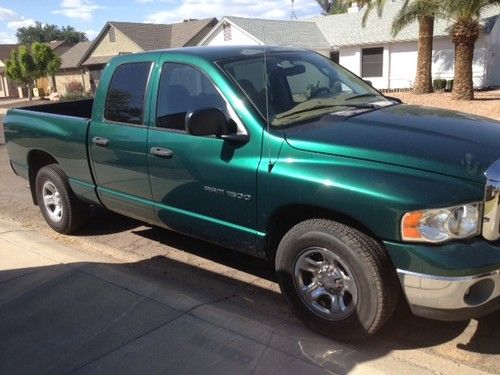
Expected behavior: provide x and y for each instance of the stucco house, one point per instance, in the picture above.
(118, 38)
(7, 87)
(70, 71)
(371, 52)
(45, 85)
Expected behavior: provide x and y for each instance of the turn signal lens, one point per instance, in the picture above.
(443, 224)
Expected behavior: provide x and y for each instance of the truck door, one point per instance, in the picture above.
(203, 186)
(118, 137)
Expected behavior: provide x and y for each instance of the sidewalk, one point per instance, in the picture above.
(63, 310)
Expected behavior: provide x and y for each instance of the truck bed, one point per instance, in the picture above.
(57, 130)
(78, 108)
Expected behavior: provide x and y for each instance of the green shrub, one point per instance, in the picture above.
(74, 88)
(449, 85)
(439, 84)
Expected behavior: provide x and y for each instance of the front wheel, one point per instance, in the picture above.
(340, 282)
(61, 209)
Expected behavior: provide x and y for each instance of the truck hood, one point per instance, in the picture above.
(440, 141)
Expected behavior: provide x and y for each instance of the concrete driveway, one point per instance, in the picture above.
(183, 305)
(64, 310)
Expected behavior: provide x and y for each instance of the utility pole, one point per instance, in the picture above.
(293, 16)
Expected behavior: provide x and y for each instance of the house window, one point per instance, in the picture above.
(227, 32)
(112, 36)
(335, 56)
(372, 62)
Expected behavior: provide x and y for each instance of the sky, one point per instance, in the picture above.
(91, 15)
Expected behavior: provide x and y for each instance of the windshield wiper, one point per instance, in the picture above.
(305, 111)
(366, 95)
(320, 104)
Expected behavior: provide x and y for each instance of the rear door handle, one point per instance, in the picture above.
(99, 141)
(161, 152)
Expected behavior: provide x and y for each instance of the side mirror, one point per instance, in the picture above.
(369, 82)
(206, 122)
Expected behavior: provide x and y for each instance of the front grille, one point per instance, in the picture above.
(491, 218)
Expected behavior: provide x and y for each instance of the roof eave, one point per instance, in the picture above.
(220, 23)
(94, 43)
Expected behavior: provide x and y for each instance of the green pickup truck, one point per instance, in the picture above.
(356, 198)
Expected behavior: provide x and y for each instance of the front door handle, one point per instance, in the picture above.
(161, 152)
(99, 141)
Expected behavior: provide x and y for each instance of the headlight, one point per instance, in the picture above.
(442, 224)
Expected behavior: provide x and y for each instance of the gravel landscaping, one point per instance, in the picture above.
(487, 103)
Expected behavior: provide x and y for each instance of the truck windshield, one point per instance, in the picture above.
(299, 85)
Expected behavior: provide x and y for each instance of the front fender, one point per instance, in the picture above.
(374, 194)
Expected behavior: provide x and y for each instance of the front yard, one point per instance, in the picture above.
(487, 103)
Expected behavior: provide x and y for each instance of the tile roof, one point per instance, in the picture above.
(150, 36)
(60, 46)
(303, 34)
(97, 60)
(5, 50)
(71, 57)
(147, 36)
(189, 33)
(347, 29)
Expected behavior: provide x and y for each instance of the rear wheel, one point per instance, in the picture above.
(62, 210)
(339, 281)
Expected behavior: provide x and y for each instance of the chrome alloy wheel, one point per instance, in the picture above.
(52, 201)
(325, 284)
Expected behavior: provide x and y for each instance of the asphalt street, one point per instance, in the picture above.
(238, 294)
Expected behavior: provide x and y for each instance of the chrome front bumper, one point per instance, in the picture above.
(451, 298)
(491, 219)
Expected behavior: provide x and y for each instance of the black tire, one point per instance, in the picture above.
(377, 289)
(74, 214)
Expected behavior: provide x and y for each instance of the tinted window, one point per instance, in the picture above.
(294, 78)
(250, 76)
(125, 100)
(372, 62)
(300, 81)
(183, 89)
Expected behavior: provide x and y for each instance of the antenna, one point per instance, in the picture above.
(293, 16)
(268, 125)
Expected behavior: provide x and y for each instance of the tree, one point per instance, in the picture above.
(48, 33)
(465, 16)
(332, 6)
(425, 12)
(28, 64)
(338, 6)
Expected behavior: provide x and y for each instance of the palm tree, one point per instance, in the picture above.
(338, 6)
(332, 6)
(425, 12)
(465, 29)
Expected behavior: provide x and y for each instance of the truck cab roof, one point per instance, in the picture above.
(214, 53)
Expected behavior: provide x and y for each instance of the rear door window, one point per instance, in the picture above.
(126, 93)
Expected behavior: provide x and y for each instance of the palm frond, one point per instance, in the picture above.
(370, 6)
(411, 11)
(463, 10)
